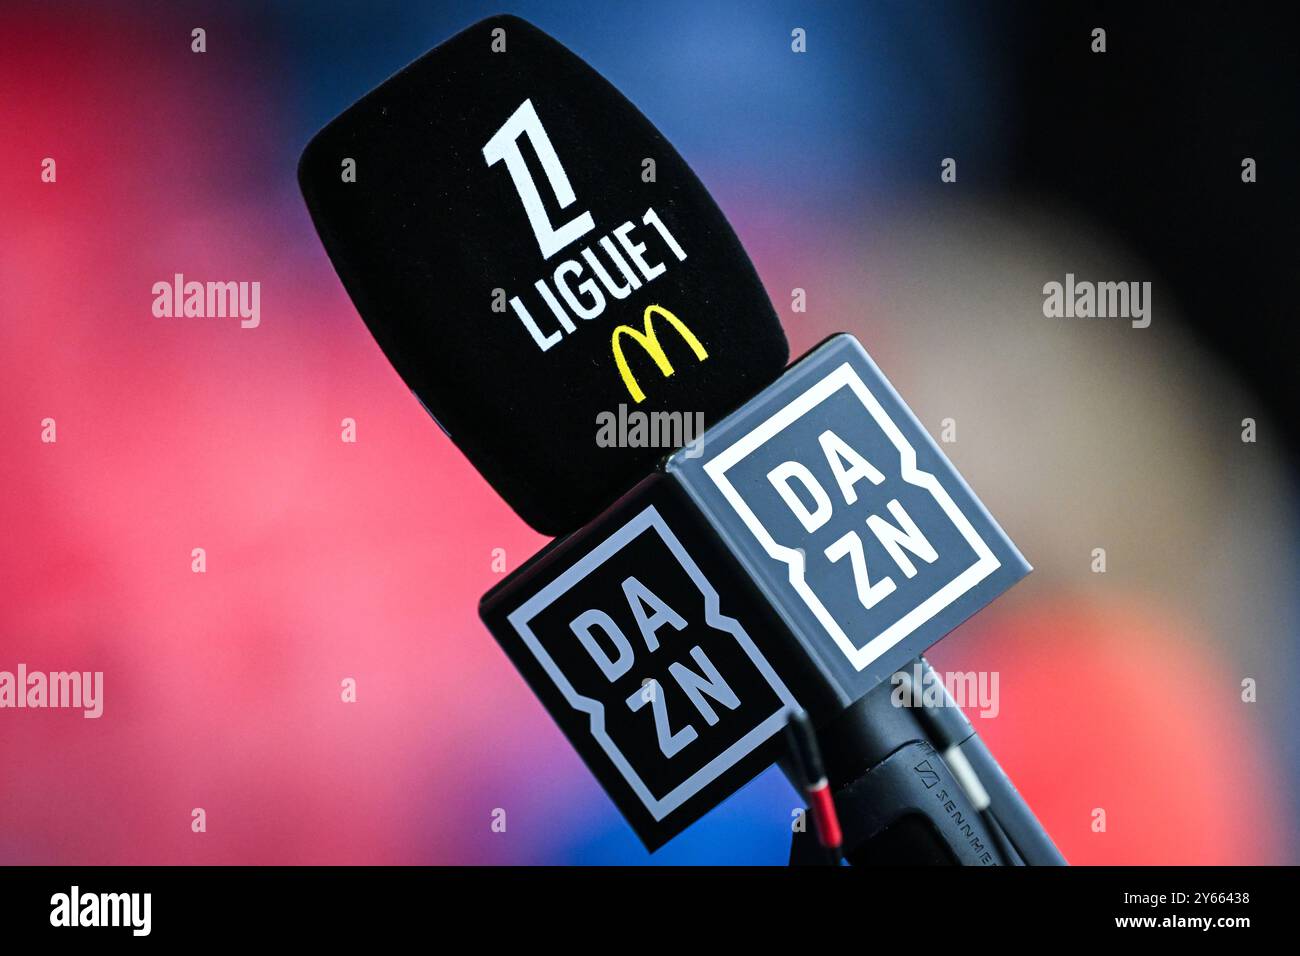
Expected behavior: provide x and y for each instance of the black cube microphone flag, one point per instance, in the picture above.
(814, 542)
(498, 236)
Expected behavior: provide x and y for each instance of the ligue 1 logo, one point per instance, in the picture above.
(586, 300)
(504, 146)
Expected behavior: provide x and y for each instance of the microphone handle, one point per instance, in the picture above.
(900, 801)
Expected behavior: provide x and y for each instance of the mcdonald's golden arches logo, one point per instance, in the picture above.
(649, 340)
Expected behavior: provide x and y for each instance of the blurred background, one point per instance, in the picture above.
(325, 560)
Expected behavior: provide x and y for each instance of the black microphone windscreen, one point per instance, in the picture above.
(531, 254)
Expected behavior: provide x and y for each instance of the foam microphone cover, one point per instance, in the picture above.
(530, 252)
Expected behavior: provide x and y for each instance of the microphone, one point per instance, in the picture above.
(517, 236)
(530, 253)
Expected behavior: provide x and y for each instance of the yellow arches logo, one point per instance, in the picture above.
(649, 340)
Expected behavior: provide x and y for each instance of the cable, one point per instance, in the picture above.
(943, 728)
(811, 772)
